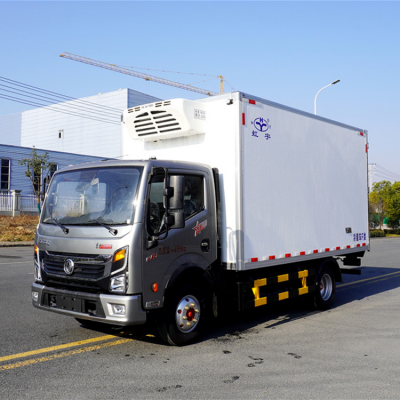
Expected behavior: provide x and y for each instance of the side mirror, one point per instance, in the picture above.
(176, 219)
(173, 195)
(151, 243)
(173, 202)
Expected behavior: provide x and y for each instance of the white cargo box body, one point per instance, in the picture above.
(293, 185)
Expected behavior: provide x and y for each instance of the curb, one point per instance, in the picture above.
(16, 244)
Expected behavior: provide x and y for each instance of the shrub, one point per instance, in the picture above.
(377, 233)
(392, 231)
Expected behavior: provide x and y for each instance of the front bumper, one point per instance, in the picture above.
(94, 307)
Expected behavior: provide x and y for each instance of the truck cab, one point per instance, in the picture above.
(115, 237)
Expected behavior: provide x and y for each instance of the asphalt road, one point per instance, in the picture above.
(284, 352)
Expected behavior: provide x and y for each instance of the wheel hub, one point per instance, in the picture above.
(187, 314)
(326, 287)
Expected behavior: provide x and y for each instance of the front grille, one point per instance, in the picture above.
(81, 271)
(87, 267)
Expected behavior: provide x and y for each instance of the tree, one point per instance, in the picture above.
(393, 206)
(36, 166)
(384, 202)
(380, 193)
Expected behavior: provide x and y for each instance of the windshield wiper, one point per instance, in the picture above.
(111, 230)
(64, 229)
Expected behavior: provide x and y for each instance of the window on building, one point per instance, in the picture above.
(5, 174)
(52, 170)
(61, 134)
(50, 174)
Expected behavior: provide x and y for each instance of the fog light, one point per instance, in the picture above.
(35, 296)
(118, 309)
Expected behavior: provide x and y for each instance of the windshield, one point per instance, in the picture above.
(92, 196)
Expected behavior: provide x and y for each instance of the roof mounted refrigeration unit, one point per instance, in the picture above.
(165, 120)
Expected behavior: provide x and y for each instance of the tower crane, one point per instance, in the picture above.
(142, 75)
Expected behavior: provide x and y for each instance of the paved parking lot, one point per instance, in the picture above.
(285, 351)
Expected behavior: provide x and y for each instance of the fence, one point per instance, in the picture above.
(29, 203)
(6, 202)
(13, 203)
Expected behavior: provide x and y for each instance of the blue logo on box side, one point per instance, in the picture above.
(262, 124)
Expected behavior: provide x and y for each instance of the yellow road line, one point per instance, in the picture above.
(376, 278)
(61, 355)
(55, 348)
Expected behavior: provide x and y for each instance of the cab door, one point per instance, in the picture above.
(177, 249)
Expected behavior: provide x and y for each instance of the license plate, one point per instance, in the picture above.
(63, 302)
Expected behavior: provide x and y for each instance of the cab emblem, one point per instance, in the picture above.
(199, 227)
(69, 266)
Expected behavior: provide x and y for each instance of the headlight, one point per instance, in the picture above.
(118, 284)
(37, 271)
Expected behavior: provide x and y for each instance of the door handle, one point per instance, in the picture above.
(205, 245)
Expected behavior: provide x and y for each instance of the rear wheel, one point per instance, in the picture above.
(184, 318)
(325, 288)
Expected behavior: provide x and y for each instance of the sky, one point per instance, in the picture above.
(283, 51)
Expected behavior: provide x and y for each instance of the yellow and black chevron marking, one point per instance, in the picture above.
(260, 300)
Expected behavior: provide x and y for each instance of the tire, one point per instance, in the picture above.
(325, 288)
(184, 318)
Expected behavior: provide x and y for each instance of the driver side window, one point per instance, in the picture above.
(193, 195)
(193, 201)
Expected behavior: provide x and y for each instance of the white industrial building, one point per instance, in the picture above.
(88, 126)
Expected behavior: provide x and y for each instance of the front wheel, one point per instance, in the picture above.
(184, 318)
(325, 288)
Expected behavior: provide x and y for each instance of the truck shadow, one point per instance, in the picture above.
(373, 281)
(237, 325)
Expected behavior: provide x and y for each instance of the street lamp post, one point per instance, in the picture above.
(315, 100)
(370, 174)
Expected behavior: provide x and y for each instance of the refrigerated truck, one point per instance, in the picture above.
(221, 204)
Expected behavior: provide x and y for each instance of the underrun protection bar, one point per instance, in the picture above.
(269, 290)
